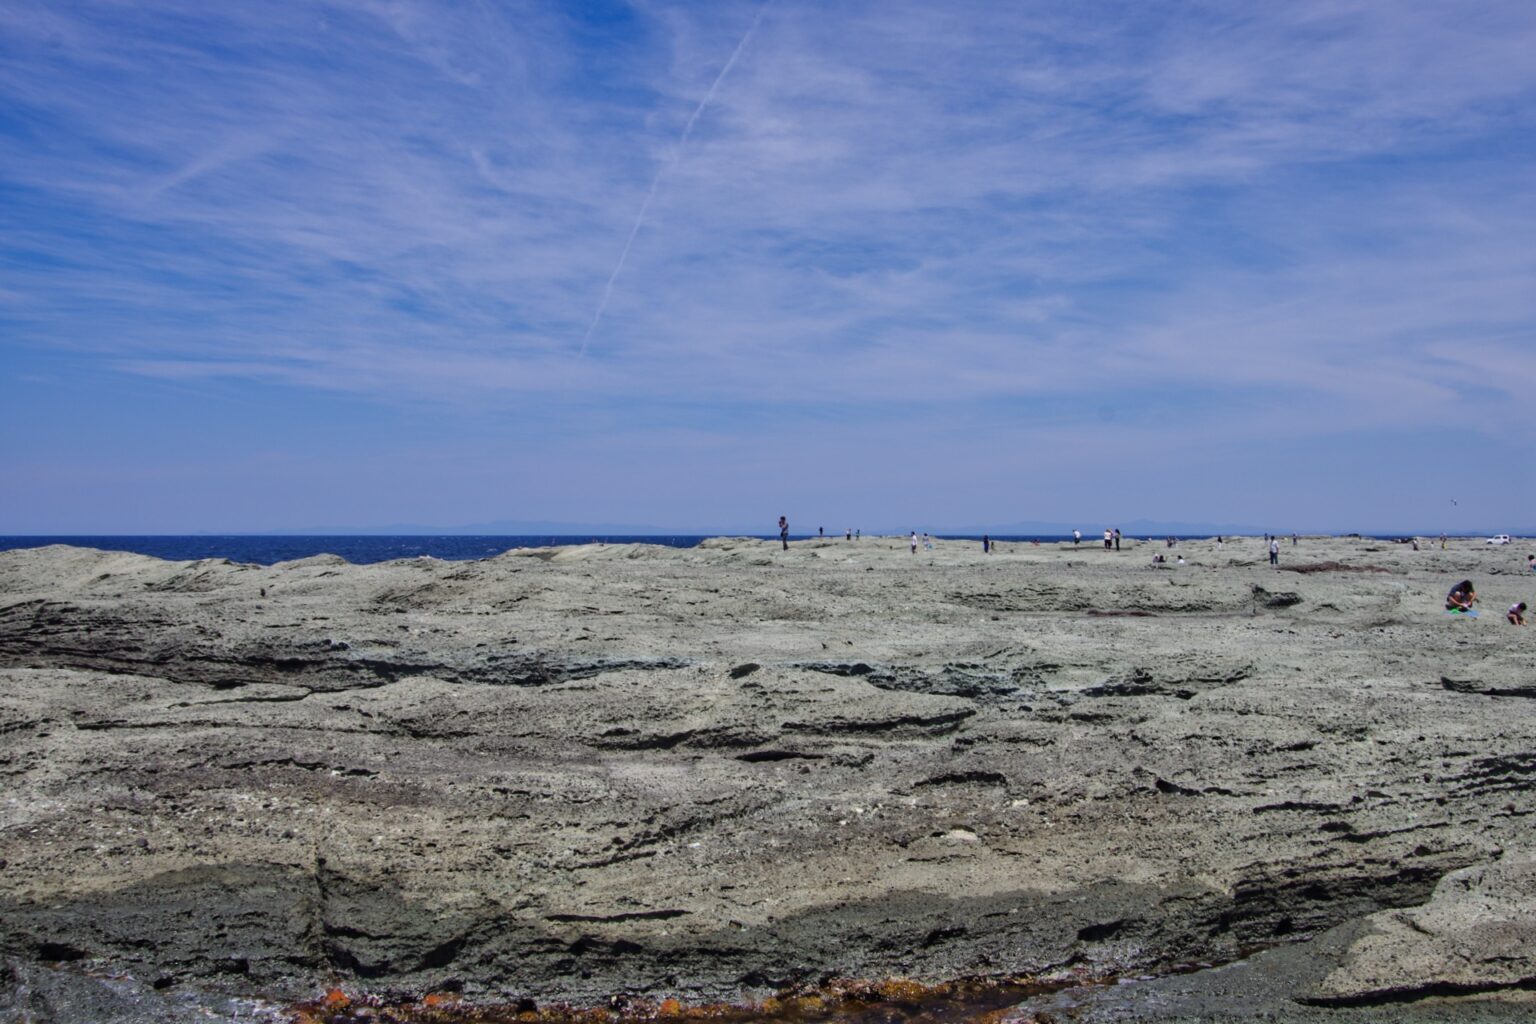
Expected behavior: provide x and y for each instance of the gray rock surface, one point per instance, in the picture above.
(1477, 933)
(565, 773)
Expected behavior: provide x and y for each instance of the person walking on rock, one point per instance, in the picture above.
(1274, 551)
(784, 532)
(914, 542)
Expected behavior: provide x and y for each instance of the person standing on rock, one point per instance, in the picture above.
(1077, 537)
(784, 532)
(1109, 538)
(1117, 538)
(914, 542)
(1274, 551)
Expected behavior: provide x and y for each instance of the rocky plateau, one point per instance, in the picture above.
(714, 773)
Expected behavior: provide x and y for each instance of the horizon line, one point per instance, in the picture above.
(956, 533)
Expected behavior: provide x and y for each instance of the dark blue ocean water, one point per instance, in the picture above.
(264, 550)
(359, 550)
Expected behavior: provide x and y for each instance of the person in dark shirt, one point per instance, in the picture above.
(1461, 598)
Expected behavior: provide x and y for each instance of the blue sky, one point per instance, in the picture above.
(910, 265)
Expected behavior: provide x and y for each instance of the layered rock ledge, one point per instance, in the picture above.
(567, 773)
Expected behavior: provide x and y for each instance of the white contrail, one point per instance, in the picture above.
(677, 152)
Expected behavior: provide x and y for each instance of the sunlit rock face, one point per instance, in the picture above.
(712, 773)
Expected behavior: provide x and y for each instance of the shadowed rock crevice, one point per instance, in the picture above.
(75, 638)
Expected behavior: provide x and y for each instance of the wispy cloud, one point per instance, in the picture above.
(650, 195)
(1031, 222)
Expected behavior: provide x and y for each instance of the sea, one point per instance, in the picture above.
(265, 549)
(357, 549)
(260, 549)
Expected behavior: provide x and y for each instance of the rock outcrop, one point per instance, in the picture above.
(710, 773)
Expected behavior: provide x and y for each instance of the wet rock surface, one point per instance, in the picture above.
(568, 773)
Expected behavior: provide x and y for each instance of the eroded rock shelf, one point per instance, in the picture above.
(709, 774)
